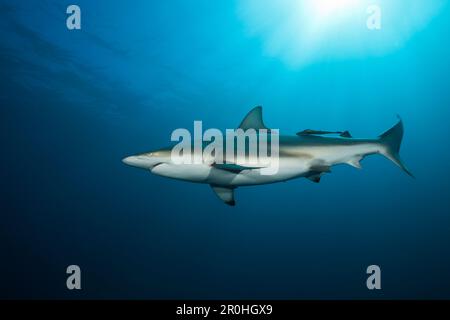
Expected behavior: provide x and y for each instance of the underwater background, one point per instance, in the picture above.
(75, 102)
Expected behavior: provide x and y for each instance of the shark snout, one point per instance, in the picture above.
(139, 161)
(131, 160)
(143, 161)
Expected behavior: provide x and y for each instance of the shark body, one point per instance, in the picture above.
(308, 154)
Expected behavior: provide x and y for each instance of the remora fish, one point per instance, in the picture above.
(308, 154)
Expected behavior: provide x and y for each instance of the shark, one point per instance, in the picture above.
(308, 154)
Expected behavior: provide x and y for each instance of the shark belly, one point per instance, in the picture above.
(189, 172)
(287, 169)
(204, 173)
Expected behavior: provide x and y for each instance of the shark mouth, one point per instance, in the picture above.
(159, 163)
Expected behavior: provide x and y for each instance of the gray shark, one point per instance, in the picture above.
(308, 154)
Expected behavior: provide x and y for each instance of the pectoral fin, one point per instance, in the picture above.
(225, 194)
(236, 168)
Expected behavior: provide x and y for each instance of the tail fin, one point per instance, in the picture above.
(391, 140)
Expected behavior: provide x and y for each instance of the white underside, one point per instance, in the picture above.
(288, 167)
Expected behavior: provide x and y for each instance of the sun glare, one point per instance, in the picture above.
(325, 8)
(304, 31)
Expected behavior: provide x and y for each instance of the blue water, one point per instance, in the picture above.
(74, 103)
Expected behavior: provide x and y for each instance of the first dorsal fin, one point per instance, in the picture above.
(253, 120)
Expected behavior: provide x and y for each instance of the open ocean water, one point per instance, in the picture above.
(73, 103)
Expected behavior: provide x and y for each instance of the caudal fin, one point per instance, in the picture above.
(391, 141)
